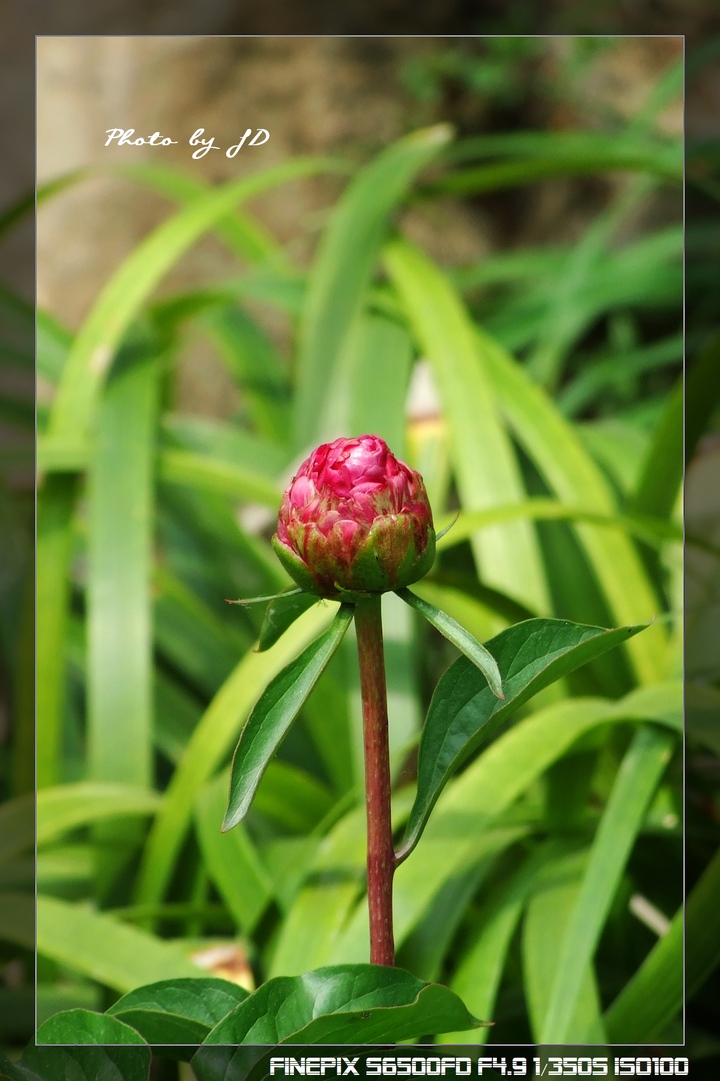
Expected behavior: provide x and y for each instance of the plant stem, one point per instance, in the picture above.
(380, 852)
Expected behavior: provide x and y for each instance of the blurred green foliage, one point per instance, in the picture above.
(554, 427)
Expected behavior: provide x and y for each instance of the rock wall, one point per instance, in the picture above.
(315, 95)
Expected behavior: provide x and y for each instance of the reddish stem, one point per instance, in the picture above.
(380, 852)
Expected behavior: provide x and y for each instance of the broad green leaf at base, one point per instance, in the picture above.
(182, 1011)
(342, 1004)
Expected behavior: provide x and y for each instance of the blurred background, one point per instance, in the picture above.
(565, 246)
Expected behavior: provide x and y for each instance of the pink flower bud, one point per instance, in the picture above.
(355, 519)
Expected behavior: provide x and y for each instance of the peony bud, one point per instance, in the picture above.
(355, 519)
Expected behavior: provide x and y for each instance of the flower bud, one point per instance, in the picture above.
(355, 520)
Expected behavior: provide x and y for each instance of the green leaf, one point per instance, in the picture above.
(88, 1063)
(662, 470)
(460, 638)
(179, 1011)
(481, 610)
(254, 363)
(67, 807)
(132, 284)
(99, 946)
(566, 318)
(655, 531)
(620, 824)
(292, 797)
(344, 265)
(120, 539)
(383, 358)
(545, 921)
(241, 232)
(227, 442)
(231, 859)
(63, 454)
(280, 614)
(571, 154)
(618, 446)
(15, 1072)
(484, 462)
(377, 352)
(569, 471)
(275, 712)
(341, 1004)
(463, 711)
(333, 875)
(479, 972)
(657, 991)
(608, 371)
(211, 741)
(570, 145)
(86, 1027)
(53, 346)
(191, 635)
(211, 474)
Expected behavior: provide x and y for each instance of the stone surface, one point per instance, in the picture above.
(316, 95)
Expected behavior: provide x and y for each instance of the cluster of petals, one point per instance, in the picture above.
(343, 488)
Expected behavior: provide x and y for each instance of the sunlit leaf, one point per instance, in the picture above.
(343, 267)
(637, 779)
(99, 946)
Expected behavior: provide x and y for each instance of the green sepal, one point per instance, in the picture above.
(295, 567)
(290, 591)
(424, 564)
(388, 560)
(282, 611)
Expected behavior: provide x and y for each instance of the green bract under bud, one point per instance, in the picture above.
(356, 520)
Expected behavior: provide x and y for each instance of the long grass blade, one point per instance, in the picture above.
(655, 994)
(232, 860)
(253, 362)
(210, 474)
(479, 973)
(121, 501)
(69, 807)
(486, 469)
(243, 234)
(344, 264)
(635, 785)
(543, 928)
(574, 477)
(132, 284)
(652, 530)
(571, 145)
(211, 744)
(98, 946)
